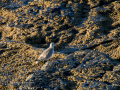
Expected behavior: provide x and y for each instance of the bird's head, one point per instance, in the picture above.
(52, 44)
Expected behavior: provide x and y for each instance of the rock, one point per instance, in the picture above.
(116, 68)
(93, 66)
(86, 34)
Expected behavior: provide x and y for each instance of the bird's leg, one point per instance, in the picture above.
(43, 61)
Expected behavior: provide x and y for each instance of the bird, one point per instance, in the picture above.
(46, 54)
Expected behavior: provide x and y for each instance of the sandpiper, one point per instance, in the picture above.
(46, 54)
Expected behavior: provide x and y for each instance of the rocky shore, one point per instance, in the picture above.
(86, 34)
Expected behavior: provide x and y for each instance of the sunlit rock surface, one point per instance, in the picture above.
(86, 34)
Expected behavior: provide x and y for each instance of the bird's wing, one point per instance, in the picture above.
(44, 54)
